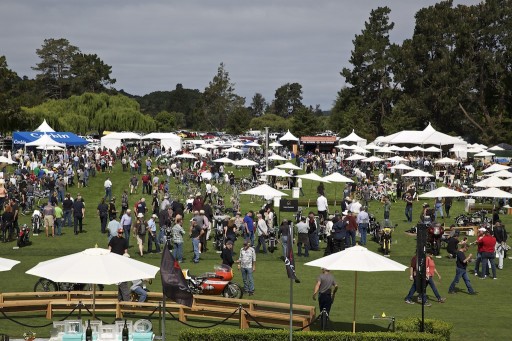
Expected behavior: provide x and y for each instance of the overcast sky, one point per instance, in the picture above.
(155, 44)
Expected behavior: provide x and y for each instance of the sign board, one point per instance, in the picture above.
(288, 205)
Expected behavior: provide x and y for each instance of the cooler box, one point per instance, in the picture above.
(143, 336)
(73, 337)
(295, 192)
(468, 203)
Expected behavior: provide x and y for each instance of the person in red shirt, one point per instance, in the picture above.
(197, 204)
(145, 184)
(351, 228)
(487, 246)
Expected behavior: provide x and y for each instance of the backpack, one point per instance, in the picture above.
(142, 229)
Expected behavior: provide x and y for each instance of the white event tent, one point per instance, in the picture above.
(167, 140)
(427, 136)
(114, 140)
(45, 128)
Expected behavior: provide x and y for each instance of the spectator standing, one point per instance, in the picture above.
(152, 235)
(58, 220)
(227, 254)
(140, 230)
(102, 210)
(313, 232)
(118, 244)
(262, 231)
(249, 227)
(501, 242)
(247, 265)
(195, 234)
(302, 237)
(67, 207)
(325, 288)
(177, 238)
(408, 206)
(322, 206)
(487, 245)
(363, 221)
(49, 219)
(126, 224)
(108, 188)
(351, 228)
(112, 228)
(78, 214)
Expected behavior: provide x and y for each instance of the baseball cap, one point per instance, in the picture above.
(482, 229)
(154, 216)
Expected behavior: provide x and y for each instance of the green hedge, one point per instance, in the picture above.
(432, 326)
(217, 334)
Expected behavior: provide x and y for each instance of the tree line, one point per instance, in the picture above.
(455, 72)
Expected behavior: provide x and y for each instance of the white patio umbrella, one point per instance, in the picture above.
(371, 146)
(357, 258)
(312, 176)
(233, 150)
(344, 146)
(237, 143)
(209, 146)
(417, 173)
(6, 160)
(223, 160)
(416, 149)
(495, 148)
(288, 165)
(7, 264)
(446, 160)
(492, 192)
(372, 159)
(397, 158)
(493, 181)
(495, 168)
(500, 174)
(385, 150)
(402, 167)
(275, 144)
(484, 154)
(200, 151)
(360, 150)
(276, 157)
(432, 149)
(337, 177)
(93, 266)
(276, 172)
(186, 156)
(442, 192)
(253, 144)
(244, 163)
(265, 191)
(355, 157)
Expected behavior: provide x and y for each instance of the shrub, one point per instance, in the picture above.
(218, 334)
(432, 326)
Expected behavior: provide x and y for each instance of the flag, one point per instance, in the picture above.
(174, 284)
(289, 259)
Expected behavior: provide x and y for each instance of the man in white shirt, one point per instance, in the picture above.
(355, 206)
(208, 194)
(322, 206)
(299, 184)
(108, 189)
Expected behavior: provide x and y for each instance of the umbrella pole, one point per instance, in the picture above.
(163, 315)
(94, 301)
(355, 295)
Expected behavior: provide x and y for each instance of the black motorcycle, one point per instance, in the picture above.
(272, 239)
(374, 228)
(475, 219)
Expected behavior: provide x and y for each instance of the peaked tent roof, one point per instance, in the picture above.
(420, 137)
(288, 137)
(45, 141)
(352, 137)
(45, 128)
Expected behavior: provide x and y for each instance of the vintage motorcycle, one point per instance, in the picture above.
(46, 285)
(214, 283)
(477, 218)
(23, 236)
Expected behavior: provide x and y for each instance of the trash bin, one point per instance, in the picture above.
(295, 192)
(277, 201)
(468, 203)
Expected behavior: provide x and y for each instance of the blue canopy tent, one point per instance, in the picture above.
(19, 138)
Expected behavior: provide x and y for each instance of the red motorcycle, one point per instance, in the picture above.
(435, 233)
(214, 283)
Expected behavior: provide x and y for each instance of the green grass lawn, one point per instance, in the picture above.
(376, 292)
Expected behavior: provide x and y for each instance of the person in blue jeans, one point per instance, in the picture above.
(462, 263)
(412, 277)
(195, 233)
(247, 265)
(137, 287)
(249, 226)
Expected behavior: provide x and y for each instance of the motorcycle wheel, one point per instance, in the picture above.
(233, 290)
(19, 242)
(45, 285)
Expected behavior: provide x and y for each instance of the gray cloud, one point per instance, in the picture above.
(152, 45)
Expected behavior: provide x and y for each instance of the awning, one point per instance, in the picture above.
(19, 138)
